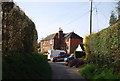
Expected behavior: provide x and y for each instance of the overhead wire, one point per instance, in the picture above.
(104, 15)
(82, 15)
(66, 14)
(97, 20)
(77, 18)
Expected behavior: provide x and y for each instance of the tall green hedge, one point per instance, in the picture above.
(19, 34)
(25, 66)
(103, 47)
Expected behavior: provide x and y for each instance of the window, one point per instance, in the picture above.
(66, 47)
(44, 42)
(67, 40)
(50, 41)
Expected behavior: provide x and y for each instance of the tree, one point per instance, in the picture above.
(113, 18)
(118, 8)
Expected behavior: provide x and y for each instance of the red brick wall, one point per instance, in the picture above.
(56, 44)
(45, 46)
(74, 44)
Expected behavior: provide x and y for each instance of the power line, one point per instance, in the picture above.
(104, 15)
(64, 15)
(77, 18)
(97, 20)
(82, 15)
(96, 6)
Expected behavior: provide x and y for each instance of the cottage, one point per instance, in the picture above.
(61, 41)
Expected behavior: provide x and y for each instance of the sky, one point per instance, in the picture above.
(70, 16)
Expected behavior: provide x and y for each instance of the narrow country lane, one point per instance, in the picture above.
(60, 71)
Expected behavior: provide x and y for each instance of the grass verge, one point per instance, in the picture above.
(94, 72)
(25, 66)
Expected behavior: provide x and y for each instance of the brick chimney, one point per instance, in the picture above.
(60, 37)
(60, 34)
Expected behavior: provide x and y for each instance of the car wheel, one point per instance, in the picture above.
(66, 64)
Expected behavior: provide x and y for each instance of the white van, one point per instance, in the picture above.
(54, 53)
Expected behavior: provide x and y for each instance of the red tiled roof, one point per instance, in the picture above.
(51, 36)
(65, 36)
(72, 35)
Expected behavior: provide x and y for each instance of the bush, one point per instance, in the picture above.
(102, 48)
(20, 34)
(25, 66)
(87, 71)
(75, 62)
(79, 54)
(94, 72)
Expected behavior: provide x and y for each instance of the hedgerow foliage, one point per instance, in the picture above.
(25, 66)
(95, 73)
(18, 31)
(79, 54)
(103, 48)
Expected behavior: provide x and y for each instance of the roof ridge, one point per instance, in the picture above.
(49, 36)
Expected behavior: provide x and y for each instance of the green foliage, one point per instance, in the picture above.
(18, 31)
(94, 72)
(118, 7)
(87, 71)
(103, 48)
(87, 46)
(79, 54)
(25, 66)
(113, 18)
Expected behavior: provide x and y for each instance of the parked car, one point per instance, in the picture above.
(59, 57)
(66, 59)
(54, 53)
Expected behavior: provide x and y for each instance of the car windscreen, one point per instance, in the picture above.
(71, 55)
(61, 55)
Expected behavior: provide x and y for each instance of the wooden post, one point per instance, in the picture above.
(91, 17)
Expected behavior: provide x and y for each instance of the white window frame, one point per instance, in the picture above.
(51, 41)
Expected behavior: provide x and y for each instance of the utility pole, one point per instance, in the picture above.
(91, 17)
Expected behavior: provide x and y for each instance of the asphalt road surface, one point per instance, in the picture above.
(60, 71)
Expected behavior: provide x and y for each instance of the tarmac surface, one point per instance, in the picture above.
(61, 71)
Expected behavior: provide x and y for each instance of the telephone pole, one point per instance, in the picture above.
(91, 17)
